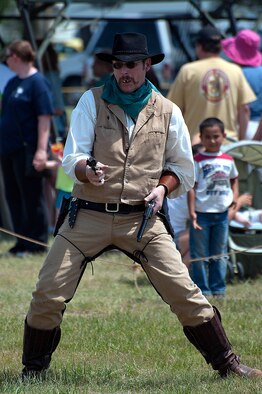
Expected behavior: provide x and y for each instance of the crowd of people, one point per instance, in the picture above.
(142, 144)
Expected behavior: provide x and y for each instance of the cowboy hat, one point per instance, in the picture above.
(130, 47)
(243, 49)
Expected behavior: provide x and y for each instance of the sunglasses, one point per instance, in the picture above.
(130, 65)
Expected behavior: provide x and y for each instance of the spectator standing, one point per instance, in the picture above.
(212, 87)
(143, 141)
(102, 70)
(244, 50)
(25, 126)
(51, 71)
(216, 188)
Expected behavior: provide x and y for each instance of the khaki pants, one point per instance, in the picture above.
(93, 231)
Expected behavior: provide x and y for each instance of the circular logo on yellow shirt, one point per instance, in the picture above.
(215, 85)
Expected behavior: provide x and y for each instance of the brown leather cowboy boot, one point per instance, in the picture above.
(211, 340)
(37, 349)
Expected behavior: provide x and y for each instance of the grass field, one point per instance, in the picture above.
(117, 338)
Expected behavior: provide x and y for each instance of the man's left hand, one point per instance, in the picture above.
(157, 194)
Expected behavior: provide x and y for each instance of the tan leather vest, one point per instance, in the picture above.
(134, 166)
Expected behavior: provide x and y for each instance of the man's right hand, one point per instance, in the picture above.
(97, 177)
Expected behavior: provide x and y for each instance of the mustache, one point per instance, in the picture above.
(126, 79)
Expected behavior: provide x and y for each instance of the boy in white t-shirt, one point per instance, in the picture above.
(215, 190)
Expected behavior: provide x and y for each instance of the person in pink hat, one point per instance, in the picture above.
(244, 50)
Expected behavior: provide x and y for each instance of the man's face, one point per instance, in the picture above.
(130, 75)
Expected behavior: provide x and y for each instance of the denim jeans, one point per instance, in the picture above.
(209, 275)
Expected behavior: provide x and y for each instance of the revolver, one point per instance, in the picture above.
(92, 163)
(147, 215)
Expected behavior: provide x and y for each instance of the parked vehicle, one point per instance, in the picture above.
(68, 47)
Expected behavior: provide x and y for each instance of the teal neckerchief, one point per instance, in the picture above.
(131, 103)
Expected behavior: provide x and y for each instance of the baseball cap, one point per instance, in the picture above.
(210, 34)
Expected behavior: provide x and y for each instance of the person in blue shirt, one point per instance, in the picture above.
(25, 126)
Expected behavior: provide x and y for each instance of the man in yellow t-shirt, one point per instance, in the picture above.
(212, 87)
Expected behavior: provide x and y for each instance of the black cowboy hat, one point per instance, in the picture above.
(130, 47)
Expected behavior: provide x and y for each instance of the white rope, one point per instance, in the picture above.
(216, 256)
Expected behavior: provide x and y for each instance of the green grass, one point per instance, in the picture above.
(120, 339)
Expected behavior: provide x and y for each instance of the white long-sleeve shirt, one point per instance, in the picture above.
(80, 140)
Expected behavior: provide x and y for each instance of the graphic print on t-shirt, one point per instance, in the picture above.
(213, 191)
(218, 183)
(215, 85)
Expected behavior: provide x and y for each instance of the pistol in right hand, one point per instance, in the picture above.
(91, 162)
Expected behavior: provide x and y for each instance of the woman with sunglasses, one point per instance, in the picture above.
(128, 147)
(25, 125)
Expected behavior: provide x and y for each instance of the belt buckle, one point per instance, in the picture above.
(112, 210)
